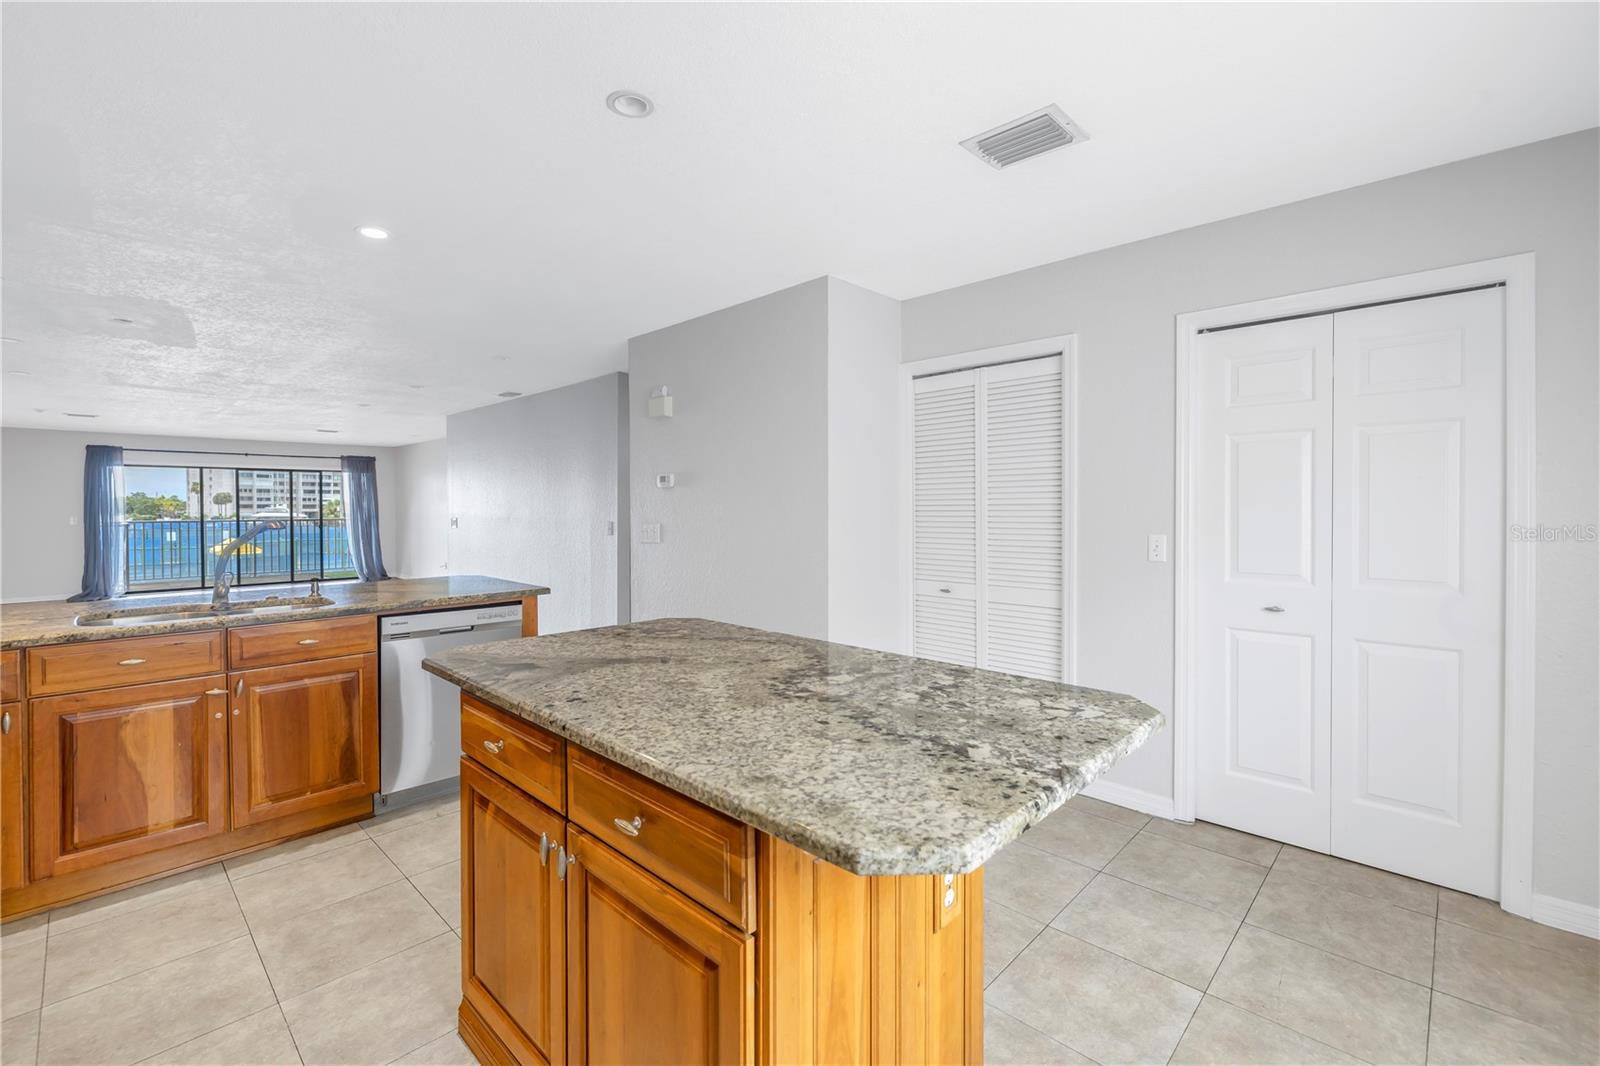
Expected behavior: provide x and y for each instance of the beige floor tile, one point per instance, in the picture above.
(438, 807)
(1217, 838)
(1083, 838)
(21, 975)
(107, 951)
(1005, 933)
(19, 1039)
(1487, 917)
(448, 1050)
(441, 887)
(23, 930)
(313, 948)
(316, 844)
(138, 1016)
(1548, 990)
(1008, 1042)
(1102, 809)
(1466, 1034)
(1221, 1034)
(383, 1010)
(1382, 935)
(423, 846)
(115, 904)
(1357, 1009)
(1196, 875)
(1095, 1002)
(306, 884)
(1362, 880)
(262, 1039)
(1033, 882)
(1181, 940)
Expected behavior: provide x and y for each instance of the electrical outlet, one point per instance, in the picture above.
(650, 533)
(1158, 548)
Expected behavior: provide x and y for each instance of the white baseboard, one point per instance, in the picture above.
(1565, 914)
(1136, 799)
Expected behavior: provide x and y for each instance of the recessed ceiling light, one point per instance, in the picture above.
(508, 395)
(75, 414)
(630, 104)
(373, 233)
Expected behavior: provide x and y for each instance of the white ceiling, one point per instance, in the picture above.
(199, 170)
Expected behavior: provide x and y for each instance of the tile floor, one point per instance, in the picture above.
(1111, 938)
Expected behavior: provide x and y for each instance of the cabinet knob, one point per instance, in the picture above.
(238, 688)
(130, 662)
(5, 722)
(564, 860)
(495, 747)
(631, 828)
(544, 849)
(217, 715)
(309, 641)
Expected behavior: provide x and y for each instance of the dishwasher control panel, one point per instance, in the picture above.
(400, 625)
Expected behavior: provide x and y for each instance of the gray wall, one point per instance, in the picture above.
(744, 533)
(533, 483)
(1121, 302)
(41, 500)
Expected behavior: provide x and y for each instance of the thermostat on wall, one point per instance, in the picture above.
(661, 403)
(666, 481)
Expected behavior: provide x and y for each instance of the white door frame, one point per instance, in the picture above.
(1517, 273)
(1066, 346)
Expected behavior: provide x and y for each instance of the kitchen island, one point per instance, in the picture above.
(688, 841)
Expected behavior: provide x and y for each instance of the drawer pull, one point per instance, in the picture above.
(494, 747)
(216, 692)
(309, 641)
(131, 662)
(631, 828)
(544, 849)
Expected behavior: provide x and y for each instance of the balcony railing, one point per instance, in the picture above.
(169, 554)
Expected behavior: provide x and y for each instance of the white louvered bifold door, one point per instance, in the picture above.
(989, 501)
(1020, 533)
(945, 518)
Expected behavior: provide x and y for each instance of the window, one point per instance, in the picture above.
(177, 520)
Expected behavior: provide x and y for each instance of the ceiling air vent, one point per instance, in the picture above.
(1031, 135)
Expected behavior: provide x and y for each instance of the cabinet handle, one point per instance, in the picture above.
(130, 662)
(495, 746)
(5, 722)
(544, 849)
(216, 692)
(1274, 608)
(944, 590)
(564, 860)
(309, 641)
(631, 828)
(238, 688)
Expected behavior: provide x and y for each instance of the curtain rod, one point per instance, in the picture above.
(210, 451)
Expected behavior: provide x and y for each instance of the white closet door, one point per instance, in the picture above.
(945, 518)
(1022, 493)
(1419, 486)
(1263, 549)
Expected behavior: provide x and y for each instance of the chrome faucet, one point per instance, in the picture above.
(219, 588)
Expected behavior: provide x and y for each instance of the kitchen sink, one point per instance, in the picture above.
(189, 612)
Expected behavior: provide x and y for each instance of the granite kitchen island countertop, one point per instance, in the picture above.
(51, 621)
(877, 763)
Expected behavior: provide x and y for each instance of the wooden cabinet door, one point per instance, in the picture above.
(13, 754)
(513, 932)
(653, 977)
(124, 771)
(303, 736)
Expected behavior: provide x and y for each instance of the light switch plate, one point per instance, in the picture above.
(1158, 548)
(650, 533)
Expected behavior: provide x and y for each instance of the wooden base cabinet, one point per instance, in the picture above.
(513, 921)
(303, 736)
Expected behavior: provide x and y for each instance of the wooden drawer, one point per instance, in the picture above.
(98, 664)
(10, 675)
(517, 750)
(295, 642)
(707, 855)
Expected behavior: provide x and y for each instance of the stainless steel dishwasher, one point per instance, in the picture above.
(419, 731)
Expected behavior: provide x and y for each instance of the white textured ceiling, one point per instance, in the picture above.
(199, 170)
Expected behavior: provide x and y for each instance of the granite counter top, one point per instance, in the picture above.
(878, 763)
(50, 621)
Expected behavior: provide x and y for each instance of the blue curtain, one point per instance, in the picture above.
(361, 515)
(104, 574)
